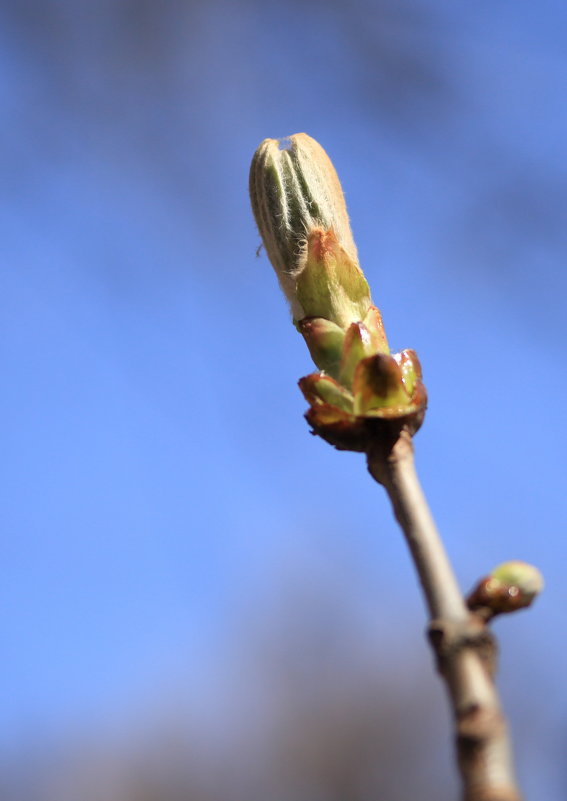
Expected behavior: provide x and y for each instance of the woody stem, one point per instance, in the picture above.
(461, 641)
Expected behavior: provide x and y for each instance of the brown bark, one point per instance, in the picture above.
(463, 645)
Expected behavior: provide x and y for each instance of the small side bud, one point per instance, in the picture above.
(510, 586)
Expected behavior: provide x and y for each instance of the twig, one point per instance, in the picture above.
(463, 644)
(367, 399)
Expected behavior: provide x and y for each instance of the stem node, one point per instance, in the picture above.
(464, 647)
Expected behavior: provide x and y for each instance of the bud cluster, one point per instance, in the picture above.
(301, 214)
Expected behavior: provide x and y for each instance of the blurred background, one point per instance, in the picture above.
(200, 601)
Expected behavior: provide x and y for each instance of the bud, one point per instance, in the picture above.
(338, 351)
(301, 214)
(520, 578)
(363, 392)
(386, 394)
(509, 587)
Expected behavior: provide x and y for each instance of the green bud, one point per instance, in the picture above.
(363, 392)
(509, 587)
(520, 578)
(301, 214)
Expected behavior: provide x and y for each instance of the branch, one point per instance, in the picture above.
(367, 399)
(461, 640)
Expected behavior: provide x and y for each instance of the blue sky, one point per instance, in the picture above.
(160, 487)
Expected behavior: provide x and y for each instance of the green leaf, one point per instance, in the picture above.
(410, 368)
(378, 384)
(375, 327)
(323, 389)
(355, 345)
(331, 284)
(325, 341)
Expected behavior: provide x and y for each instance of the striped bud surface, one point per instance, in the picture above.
(301, 214)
